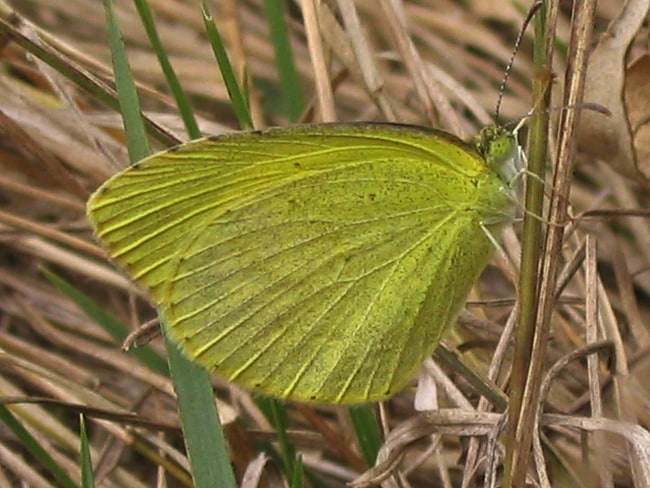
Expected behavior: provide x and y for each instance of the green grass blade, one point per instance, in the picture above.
(208, 453)
(136, 137)
(298, 474)
(182, 101)
(364, 423)
(239, 102)
(87, 475)
(277, 415)
(32, 445)
(203, 436)
(293, 98)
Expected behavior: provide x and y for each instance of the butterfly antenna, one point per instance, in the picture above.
(531, 13)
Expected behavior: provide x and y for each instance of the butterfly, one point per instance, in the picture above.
(318, 263)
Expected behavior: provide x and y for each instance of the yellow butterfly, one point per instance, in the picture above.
(319, 263)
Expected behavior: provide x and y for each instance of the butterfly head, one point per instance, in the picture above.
(500, 149)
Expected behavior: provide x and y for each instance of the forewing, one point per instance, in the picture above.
(317, 263)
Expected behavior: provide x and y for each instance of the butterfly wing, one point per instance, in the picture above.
(317, 263)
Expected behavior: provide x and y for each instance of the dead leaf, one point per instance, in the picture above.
(614, 139)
